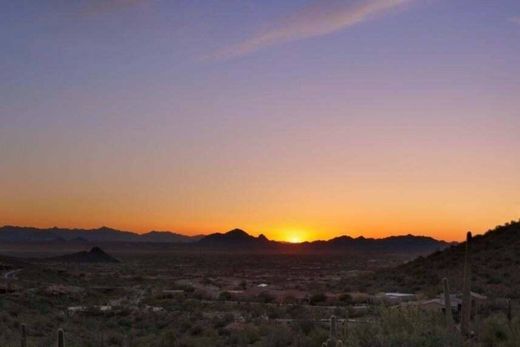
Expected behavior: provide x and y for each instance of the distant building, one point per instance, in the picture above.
(74, 309)
(438, 304)
(397, 297)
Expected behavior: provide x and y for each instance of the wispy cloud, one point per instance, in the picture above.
(319, 18)
(515, 20)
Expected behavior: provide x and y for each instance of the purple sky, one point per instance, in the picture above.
(306, 118)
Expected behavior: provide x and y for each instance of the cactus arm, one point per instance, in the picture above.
(466, 293)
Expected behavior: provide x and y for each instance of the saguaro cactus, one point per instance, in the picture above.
(466, 292)
(23, 331)
(509, 311)
(61, 339)
(447, 303)
(333, 341)
(345, 326)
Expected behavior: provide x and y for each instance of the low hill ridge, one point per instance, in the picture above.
(407, 243)
(11, 233)
(95, 255)
(495, 259)
(235, 237)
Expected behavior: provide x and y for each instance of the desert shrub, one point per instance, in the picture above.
(248, 335)
(289, 299)
(497, 331)
(298, 311)
(266, 297)
(306, 326)
(273, 312)
(278, 336)
(196, 330)
(317, 298)
(224, 320)
(225, 296)
(402, 328)
(346, 298)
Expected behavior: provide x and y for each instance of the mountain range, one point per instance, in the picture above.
(104, 234)
(235, 239)
(238, 238)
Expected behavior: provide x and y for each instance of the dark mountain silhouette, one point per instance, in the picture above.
(167, 236)
(238, 238)
(28, 234)
(103, 234)
(233, 238)
(95, 255)
(405, 243)
(495, 262)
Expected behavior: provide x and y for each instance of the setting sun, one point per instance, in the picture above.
(294, 235)
(295, 239)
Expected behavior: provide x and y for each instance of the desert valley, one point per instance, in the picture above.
(233, 289)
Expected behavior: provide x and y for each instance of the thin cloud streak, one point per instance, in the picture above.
(317, 19)
(515, 20)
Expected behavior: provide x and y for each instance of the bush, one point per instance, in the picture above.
(225, 296)
(404, 328)
(317, 298)
(497, 331)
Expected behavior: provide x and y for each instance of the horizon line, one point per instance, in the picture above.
(237, 228)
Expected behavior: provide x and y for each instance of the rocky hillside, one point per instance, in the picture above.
(495, 266)
(95, 255)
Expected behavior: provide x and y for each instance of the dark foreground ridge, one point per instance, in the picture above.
(495, 257)
(95, 255)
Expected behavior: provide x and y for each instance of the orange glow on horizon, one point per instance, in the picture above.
(442, 230)
(318, 224)
(292, 234)
(295, 237)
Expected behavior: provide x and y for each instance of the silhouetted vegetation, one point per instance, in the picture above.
(191, 298)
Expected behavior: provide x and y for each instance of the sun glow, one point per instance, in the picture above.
(294, 235)
(295, 239)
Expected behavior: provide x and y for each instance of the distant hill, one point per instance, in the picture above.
(495, 262)
(233, 238)
(167, 236)
(236, 239)
(398, 244)
(95, 255)
(239, 239)
(103, 234)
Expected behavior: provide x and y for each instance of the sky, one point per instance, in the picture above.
(301, 119)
